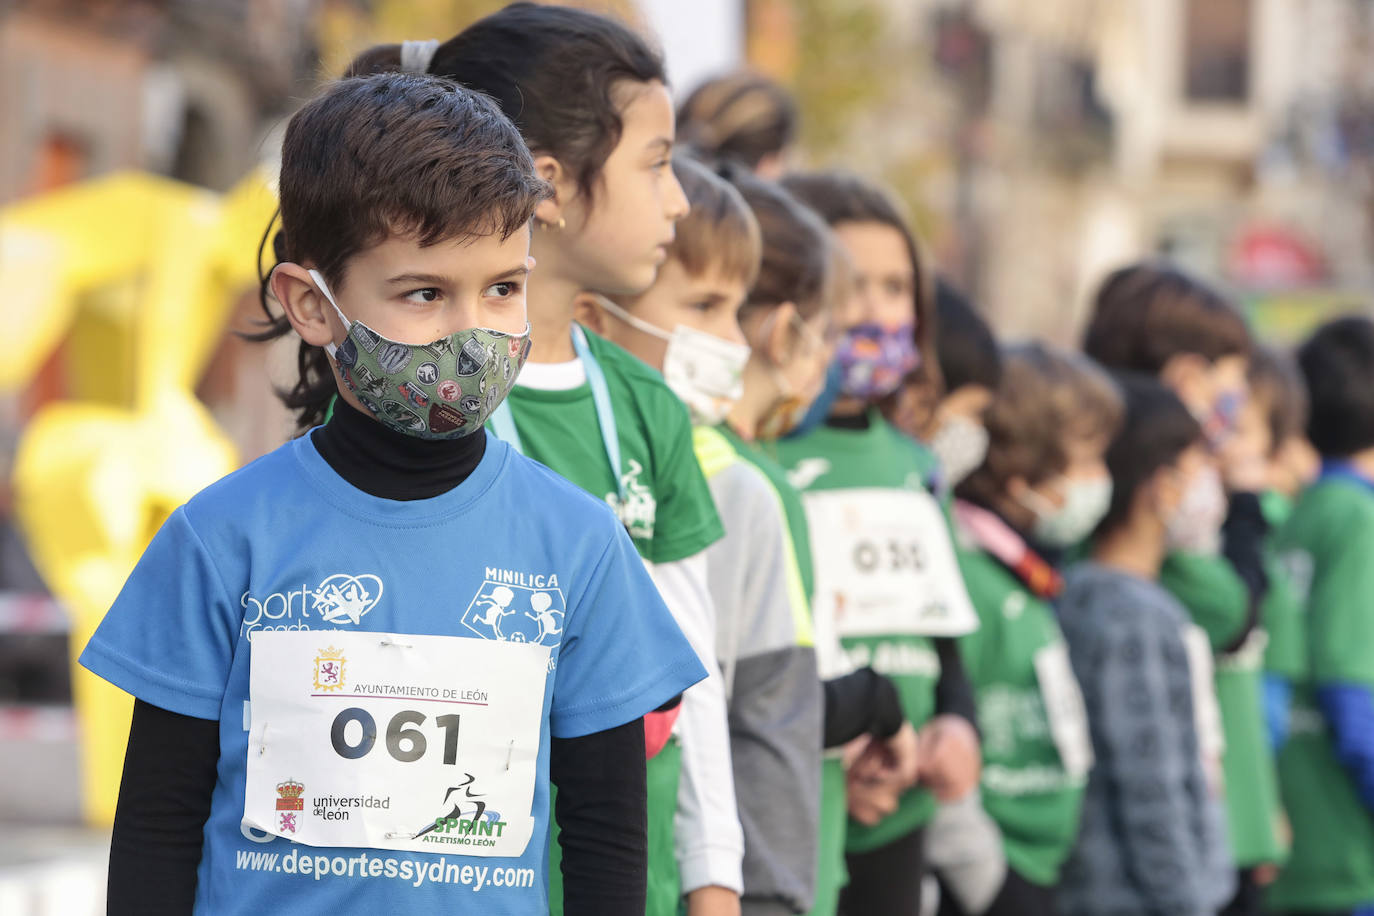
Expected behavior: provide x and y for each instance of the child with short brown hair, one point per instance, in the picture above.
(1049, 425)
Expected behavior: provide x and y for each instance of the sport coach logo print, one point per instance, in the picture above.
(517, 608)
(344, 598)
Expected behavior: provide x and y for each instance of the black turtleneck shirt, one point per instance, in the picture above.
(169, 768)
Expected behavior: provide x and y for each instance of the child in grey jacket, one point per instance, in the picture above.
(1152, 838)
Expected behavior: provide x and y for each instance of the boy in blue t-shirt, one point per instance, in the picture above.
(359, 660)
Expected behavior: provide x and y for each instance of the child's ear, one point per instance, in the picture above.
(551, 211)
(1164, 492)
(778, 345)
(588, 312)
(304, 305)
(1186, 375)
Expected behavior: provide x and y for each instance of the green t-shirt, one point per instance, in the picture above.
(872, 525)
(1282, 614)
(1218, 602)
(1330, 540)
(667, 507)
(832, 872)
(668, 511)
(1211, 590)
(1028, 787)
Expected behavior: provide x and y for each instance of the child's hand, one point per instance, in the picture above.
(951, 761)
(895, 759)
(854, 751)
(713, 901)
(871, 800)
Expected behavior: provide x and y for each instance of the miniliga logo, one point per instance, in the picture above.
(516, 613)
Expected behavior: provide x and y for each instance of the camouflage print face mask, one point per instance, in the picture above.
(440, 390)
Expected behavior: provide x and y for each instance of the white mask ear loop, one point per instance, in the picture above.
(416, 55)
(1038, 504)
(637, 323)
(330, 348)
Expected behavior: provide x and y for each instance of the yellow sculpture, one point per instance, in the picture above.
(138, 274)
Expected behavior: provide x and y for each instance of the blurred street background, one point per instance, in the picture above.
(1036, 144)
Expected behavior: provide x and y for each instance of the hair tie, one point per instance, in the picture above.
(416, 55)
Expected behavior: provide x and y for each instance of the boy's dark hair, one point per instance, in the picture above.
(720, 231)
(1338, 363)
(1146, 314)
(843, 197)
(1156, 431)
(384, 156)
(1047, 397)
(967, 351)
(1278, 387)
(553, 70)
(795, 265)
(741, 117)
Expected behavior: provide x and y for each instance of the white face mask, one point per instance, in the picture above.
(961, 445)
(707, 373)
(1086, 501)
(1195, 526)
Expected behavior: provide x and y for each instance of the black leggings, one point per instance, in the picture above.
(1249, 898)
(1018, 897)
(886, 881)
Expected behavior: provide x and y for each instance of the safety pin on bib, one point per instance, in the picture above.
(398, 645)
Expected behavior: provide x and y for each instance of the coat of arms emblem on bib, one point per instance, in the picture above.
(329, 670)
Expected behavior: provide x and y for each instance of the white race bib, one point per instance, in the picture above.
(1068, 718)
(395, 741)
(1211, 740)
(884, 566)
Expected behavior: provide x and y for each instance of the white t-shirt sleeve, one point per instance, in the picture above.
(708, 837)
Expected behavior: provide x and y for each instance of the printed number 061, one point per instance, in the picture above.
(404, 741)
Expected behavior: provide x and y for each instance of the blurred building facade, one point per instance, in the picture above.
(181, 88)
(1041, 144)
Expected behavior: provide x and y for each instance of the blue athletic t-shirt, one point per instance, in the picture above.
(287, 544)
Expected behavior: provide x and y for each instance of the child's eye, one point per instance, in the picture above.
(703, 306)
(428, 294)
(661, 164)
(503, 290)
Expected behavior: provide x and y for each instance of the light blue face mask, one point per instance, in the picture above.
(820, 408)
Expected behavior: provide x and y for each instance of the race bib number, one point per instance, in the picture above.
(395, 741)
(885, 566)
(1211, 740)
(1068, 718)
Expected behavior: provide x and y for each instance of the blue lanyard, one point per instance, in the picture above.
(503, 421)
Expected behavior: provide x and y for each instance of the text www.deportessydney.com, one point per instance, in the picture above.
(362, 865)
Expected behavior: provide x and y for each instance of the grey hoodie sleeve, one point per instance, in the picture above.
(773, 691)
